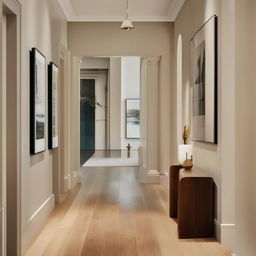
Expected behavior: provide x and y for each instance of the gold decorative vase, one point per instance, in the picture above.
(188, 163)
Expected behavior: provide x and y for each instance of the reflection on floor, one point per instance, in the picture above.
(112, 158)
(111, 214)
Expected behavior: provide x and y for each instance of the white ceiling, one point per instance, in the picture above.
(114, 10)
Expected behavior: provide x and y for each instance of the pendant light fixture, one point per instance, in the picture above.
(127, 24)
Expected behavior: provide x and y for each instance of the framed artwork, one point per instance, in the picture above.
(37, 102)
(132, 118)
(53, 106)
(204, 83)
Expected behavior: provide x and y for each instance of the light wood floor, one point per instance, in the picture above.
(112, 214)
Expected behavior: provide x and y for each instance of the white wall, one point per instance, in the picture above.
(217, 160)
(130, 90)
(44, 27)
(148, 39)
(191, 18)
(245, 125)
(93, 62)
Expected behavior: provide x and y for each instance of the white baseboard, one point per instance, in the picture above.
(76, 179)
(67, 183)
(164, 179)
(36, 221)
(225, 234)
(149, 177)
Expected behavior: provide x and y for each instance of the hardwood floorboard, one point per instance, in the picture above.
(112, 214)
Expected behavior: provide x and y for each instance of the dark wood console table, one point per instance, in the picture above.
(174, 182)
(191, 200)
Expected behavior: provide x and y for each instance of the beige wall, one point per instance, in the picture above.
(43, 27)
(115, 103)
(192, 17)
(148, 39)
(245, 127)
(217, 160)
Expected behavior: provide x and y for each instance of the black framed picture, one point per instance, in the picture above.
(37, 102)
(204, 83)
(132, 119)
(53, 105)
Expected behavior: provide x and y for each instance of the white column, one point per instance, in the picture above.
(149, 120)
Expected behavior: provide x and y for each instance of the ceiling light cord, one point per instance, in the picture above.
(127, 9)
(127, 24)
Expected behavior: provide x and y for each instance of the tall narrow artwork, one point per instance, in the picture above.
(37, 102)
(204, 83)
(53, 103)
(132, 118)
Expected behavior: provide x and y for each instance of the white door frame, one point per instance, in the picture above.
(149, 150)
(62, 176)
(11, 196)
(87, 73)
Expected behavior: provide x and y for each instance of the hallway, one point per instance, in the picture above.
(112, 214)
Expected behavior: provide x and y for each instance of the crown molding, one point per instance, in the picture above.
(71, 16)
(76, 18)
(67, 9)
(175, 9)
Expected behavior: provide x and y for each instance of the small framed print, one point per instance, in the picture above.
(37, 102)
(53, 106)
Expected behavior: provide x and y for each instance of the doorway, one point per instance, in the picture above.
(117, 88)
(87, 116)
(10, 128)
(93, 112)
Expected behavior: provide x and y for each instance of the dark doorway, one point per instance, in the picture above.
(87, 117)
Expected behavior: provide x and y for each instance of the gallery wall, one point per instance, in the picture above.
(216, 160)
(130, 90)
(148, 39)
(44, 27)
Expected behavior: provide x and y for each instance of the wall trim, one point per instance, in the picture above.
(164, 179)
(46, 202)
(222, 227)
(175, 9)
(36, 221)
(225, 233)
(66, 8)
(67, 183)
(75, 18)
(71, 15)
(76, 178)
